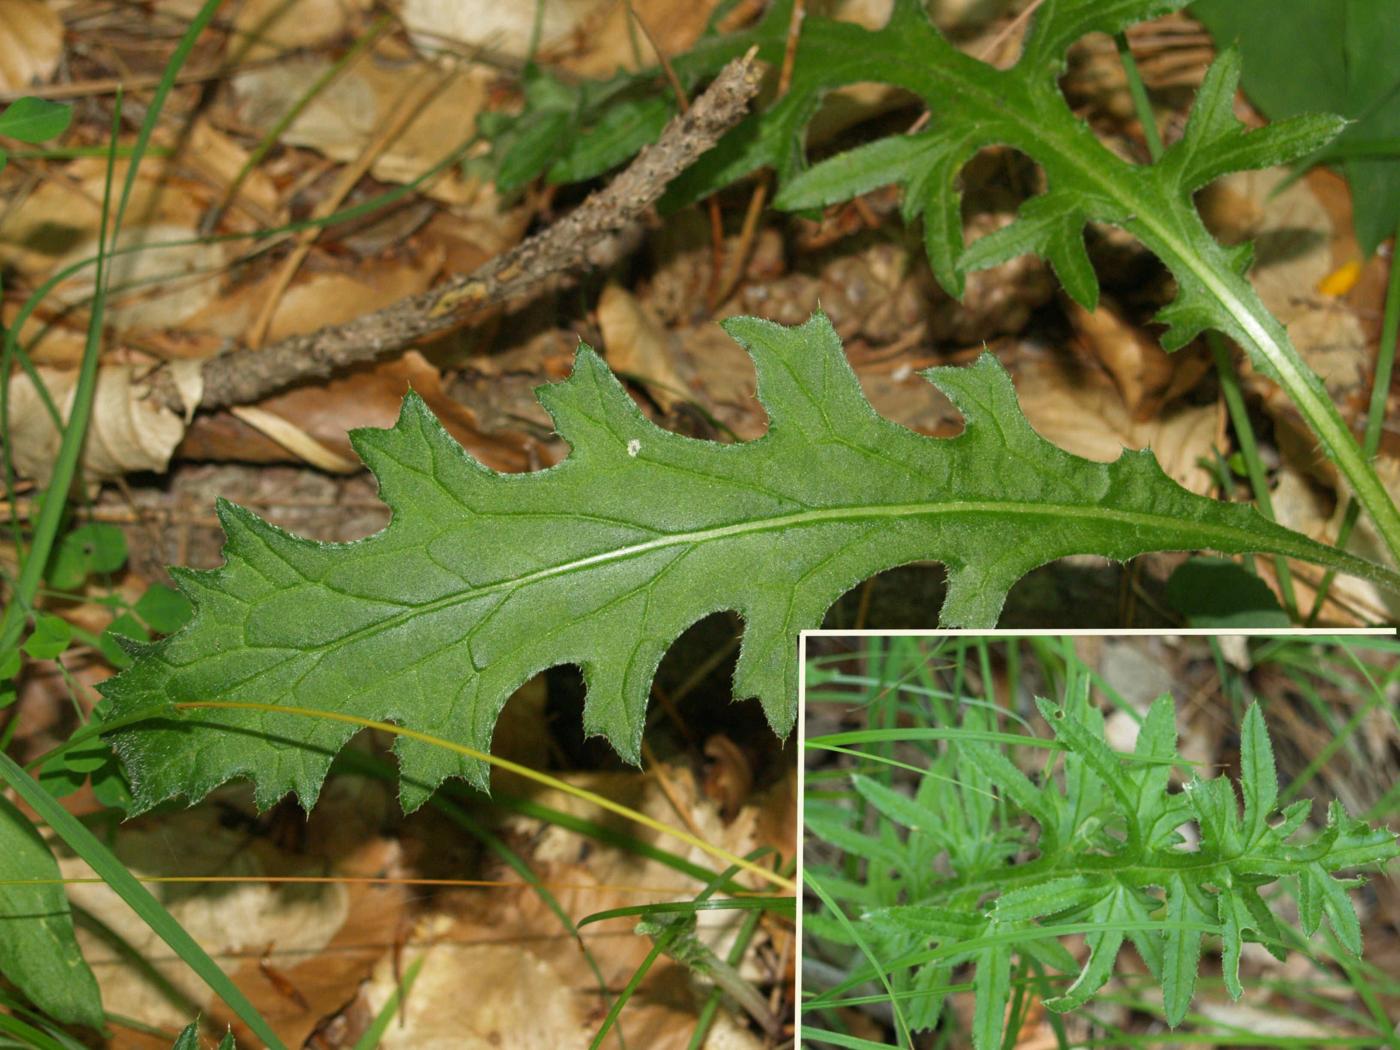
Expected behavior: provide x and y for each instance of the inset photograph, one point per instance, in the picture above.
(1131, 840)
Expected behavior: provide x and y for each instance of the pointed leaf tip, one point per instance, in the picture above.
(1258, 775)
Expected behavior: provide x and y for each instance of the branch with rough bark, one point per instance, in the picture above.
(244, 376)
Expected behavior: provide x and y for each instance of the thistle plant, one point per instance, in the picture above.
(988, 867)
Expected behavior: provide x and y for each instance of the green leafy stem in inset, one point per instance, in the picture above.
(482, 579)
(1112, 865)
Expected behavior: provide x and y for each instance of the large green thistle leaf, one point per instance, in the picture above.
(482, 580)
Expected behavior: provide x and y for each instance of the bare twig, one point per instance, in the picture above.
(733, 272)
(245, 376)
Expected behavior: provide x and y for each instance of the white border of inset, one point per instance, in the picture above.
(994, 632)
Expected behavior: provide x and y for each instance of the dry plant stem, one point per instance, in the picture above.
(991, 53)
(731, 274)
(409, 105)
(243, 377)
(683, 106)
(111, 85)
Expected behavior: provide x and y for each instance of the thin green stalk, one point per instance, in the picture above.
(1375, 411)
(1362, 986)
(880, 974)
(1340, 737)
(710, 1009)
(132, 957)
(73, 152)
(74, 434)
(32, 1036)
(812, 1034)
(125, 885)
(70, 448)
(1138, 90)
(1249, 452)
(23, 1011)
(375, 1032)
(1224, 367)
(663, 941)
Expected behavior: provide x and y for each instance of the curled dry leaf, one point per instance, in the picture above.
(294, 439)
(129, 431)
(484, 996)
(1305, 506)
(638, 346)
(502, 971)
(221, 159)
(1147, 376)
(468, 996)
(31, 40)
(728, 775)
(362, 397)
(63, 212)
(274, 27)
(1079, 408)
(342, 119)
(882, 291)
(161, 286)
(318, 298)
(325, 938)
(1300, 237)
(590, 37)
(153, 289)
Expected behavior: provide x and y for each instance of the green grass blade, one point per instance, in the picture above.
(375, 1032)
(126, 886)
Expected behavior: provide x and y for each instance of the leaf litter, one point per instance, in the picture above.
(872, 279)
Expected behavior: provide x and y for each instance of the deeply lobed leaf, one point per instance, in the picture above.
(482, 580)
(1137, 883)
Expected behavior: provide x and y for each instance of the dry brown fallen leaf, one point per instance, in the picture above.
(154, 289)
(502, 997)
(341, 120)
(589, 37)
(503, 973)
(325, 938)
(325, 293)
(274, 27)
(1147, 376)
(67, 209)
(220, 159)
(1300, 238)
(363, 397)
(638, 346)
(1078, 408)
(1303, 505)
(1267, 1022)
(127, 432)
(31, 41)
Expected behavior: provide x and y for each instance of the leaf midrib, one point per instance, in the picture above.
(1240, 538)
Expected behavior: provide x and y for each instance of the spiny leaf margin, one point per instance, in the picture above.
(482, 580)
